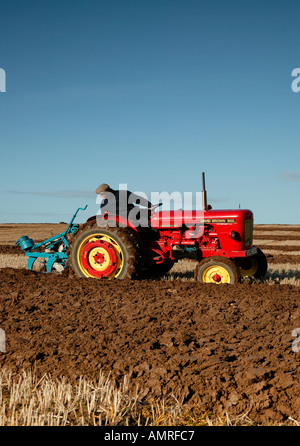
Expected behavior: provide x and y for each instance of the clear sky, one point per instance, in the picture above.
(149, 93)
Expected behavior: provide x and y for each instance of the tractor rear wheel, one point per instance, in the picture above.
(255, 266)
(217, 270)
(110, 252)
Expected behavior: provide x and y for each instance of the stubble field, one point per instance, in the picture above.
(170, 351)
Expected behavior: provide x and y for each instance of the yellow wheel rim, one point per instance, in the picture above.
(216, 274)
(104, 259)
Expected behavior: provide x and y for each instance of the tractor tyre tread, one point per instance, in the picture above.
(262, 264)
(127, 237)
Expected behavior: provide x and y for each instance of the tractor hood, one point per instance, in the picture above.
(169, 219)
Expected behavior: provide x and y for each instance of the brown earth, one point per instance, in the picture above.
(9, 233)
(10, 249)
(280, 249)
(226, 348)
(283, 258)
(271, 236)
(272, 227)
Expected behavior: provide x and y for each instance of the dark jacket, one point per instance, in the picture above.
(123, 202)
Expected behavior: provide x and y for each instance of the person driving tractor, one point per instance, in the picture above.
(124, 203)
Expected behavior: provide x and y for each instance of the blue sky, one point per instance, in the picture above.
(149, 94)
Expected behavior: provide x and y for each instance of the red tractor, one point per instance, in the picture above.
(219, 240)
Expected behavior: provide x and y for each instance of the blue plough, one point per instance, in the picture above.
(55, 248)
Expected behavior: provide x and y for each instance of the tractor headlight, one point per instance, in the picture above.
(233, 235)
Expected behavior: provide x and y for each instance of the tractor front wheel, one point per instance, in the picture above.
(255, 266)
(110, 252)
(218, 270)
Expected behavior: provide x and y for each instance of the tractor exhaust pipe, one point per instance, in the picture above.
(204, 197)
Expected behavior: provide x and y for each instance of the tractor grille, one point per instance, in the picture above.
(248, 232)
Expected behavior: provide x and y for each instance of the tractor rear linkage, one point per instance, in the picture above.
(55, 254)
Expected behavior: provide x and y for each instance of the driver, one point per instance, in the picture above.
(124, 203)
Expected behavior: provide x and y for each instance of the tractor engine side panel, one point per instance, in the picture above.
(235, 235)
(227, 230)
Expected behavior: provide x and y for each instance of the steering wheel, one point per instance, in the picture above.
(151, 210)
(155, 206)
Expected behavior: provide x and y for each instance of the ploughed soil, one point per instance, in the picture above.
(226, 348)
(283, 258)
(10, 249)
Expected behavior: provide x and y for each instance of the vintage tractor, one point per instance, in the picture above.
(111, 246)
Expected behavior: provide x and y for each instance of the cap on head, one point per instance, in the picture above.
(103, 188)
